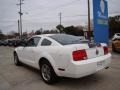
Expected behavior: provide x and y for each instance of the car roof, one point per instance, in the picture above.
(44, 35)
(47, 35)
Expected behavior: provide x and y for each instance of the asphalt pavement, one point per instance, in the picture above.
(27, 78)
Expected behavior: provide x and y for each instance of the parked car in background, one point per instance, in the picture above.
(5, 43)
(10, 42)
(116, 45)
(18, 42)
(116, 36)
(62, 55)
(1, 42)
(13, 42)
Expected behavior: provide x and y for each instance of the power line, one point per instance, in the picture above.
(49, 17)
(38, 8)
(73, 16)
(63, 5)
(6, 26)
(79, 15)
(67, 16)
(114, 13)
(60, 6)
(7, 21)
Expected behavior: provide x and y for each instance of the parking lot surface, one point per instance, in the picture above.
(27, 78)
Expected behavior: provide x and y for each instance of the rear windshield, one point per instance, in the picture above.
(67, 39)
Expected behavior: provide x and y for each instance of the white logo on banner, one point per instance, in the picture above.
(102, 6)
(101, 13)
(102, 9)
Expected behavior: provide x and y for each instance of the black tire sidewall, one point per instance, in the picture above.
(52, 76)
(17, 63)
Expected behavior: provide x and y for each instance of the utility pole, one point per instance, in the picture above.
(89, 28)
(60, 17)
(60, 22)
(20, 13)
(19, 28)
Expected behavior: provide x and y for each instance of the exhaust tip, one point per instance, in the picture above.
(106, 67)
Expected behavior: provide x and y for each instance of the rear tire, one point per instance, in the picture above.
(16, 60)
(47, 72)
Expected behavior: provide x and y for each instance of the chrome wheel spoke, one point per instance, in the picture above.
(46, 72)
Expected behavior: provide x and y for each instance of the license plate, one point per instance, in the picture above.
(101, 63)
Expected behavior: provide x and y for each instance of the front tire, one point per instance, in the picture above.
(16, 60)
(47, 73)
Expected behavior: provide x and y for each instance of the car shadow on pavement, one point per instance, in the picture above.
(81, 82)
(71, 82)
(34, 70)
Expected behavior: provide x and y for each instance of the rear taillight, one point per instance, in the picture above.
(79, 55)
(105, 50)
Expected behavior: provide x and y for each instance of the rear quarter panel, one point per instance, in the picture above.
(58, 56)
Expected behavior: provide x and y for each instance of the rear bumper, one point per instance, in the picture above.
(83, 68)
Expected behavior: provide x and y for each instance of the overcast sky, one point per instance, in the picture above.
(45, 13)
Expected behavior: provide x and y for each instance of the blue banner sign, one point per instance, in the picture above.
(100, 18)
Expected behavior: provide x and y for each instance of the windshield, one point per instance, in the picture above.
(67, 39)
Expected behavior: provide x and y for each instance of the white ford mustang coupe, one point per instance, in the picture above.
(62, 55)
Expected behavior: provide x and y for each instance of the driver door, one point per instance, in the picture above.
(28, 51)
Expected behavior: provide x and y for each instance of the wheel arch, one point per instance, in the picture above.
(14, 52)
(50, 60)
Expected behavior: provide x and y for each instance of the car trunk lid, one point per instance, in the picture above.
(92, 50)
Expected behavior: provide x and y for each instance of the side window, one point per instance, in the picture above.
(33, 41)
(36, 40)
(46, 42)
(30, 42)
